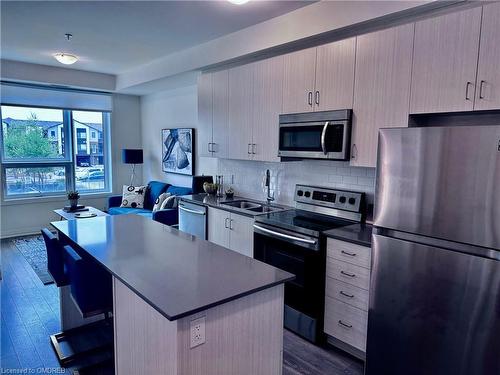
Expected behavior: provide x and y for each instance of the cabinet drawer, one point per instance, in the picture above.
(349, 252)
(348, 273)
(346, 323)
(352, 295)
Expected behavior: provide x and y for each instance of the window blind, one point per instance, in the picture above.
(30, 95)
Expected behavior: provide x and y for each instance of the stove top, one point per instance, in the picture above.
(302, 221)
(318, 209)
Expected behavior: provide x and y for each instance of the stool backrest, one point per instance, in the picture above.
(55, 258)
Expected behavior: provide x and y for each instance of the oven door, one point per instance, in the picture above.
(305, 258)
(319, 140)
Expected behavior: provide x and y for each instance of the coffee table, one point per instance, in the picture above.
(71, 215)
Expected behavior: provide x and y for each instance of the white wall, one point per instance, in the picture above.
(173, 108)
(33, 214)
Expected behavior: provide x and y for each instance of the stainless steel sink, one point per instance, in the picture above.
(264, 209)
(253, 207)
(244, 205)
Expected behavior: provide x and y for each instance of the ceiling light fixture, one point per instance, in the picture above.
(238, 2)
(66, 58)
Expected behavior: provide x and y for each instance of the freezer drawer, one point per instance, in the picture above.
(432, 311)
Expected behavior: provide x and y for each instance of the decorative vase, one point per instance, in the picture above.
(73, 203)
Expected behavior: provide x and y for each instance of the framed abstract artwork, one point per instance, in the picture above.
(178, 150)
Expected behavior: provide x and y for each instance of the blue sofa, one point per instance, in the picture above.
(153, 191)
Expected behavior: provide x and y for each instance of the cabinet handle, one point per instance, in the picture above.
(347, 274)
(231, 224)
(248, 149)
(353, 148)
(213, 148)
(347, 253)
(467, 90)
(254, 146)
(345, 324)
(225, 223)
(481, 89)
(316, 97)
(310, 98)
(347, 295)
(210, 147)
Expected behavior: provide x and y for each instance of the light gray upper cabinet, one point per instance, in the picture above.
(204, 131)
(240, 112)
(488, 74)
(334, 82)
(267, 105)
(381, 89)
(445, 62)
(298, 84)
(320, 79)
(220, 116)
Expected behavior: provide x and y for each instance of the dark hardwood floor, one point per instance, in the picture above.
(30, 313)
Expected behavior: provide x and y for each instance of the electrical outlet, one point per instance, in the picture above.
(197, 332)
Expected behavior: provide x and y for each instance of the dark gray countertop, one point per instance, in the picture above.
(360, 234)
(213, 201)
(176, 273)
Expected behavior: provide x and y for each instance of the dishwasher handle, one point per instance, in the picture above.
(191, 211)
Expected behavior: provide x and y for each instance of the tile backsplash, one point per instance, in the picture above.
(248, 177)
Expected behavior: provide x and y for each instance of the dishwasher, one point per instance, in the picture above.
(193, 219)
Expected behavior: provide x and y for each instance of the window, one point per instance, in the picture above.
(36, 151)
(93, 135)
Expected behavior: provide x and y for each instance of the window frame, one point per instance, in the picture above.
(68, 161)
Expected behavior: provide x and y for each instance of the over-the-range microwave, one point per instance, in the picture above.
(315, 135)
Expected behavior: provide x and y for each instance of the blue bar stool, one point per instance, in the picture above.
(91, 290)
(91, 285)
(55, 258)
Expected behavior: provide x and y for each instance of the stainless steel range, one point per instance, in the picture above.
(292, 240)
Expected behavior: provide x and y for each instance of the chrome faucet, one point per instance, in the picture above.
(269, 197)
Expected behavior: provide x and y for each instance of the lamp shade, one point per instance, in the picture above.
(132, 156)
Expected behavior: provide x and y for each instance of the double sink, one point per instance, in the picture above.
(253, 207)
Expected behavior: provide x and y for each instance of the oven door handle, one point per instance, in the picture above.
(282, 235)
(323, 137)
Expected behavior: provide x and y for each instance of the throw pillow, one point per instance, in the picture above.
(133, 196)
(159, 201)
(170, 202)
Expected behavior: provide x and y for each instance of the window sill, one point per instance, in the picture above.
(53, 198)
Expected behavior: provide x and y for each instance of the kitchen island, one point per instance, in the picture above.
(167, 283)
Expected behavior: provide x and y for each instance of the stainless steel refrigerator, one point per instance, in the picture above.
(435, 283)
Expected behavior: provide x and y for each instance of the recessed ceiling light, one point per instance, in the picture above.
(238, 2)
(66, 58)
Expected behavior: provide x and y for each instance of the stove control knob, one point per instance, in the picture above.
(342, 199)
(300, 193)
(307, 194)
(352, 200)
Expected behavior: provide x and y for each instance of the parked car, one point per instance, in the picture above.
(92, 176)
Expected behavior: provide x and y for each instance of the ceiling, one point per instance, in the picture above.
(115, 36)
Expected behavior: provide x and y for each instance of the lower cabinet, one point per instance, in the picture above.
(347, 291)
(231, 230)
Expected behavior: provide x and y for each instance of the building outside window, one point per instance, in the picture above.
(35, 156)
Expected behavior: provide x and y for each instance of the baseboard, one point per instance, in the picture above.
(20, 232)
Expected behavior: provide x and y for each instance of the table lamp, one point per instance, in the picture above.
(132, 156)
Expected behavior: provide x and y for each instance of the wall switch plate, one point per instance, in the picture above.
(197, 328)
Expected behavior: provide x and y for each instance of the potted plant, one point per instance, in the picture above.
(73, 197)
